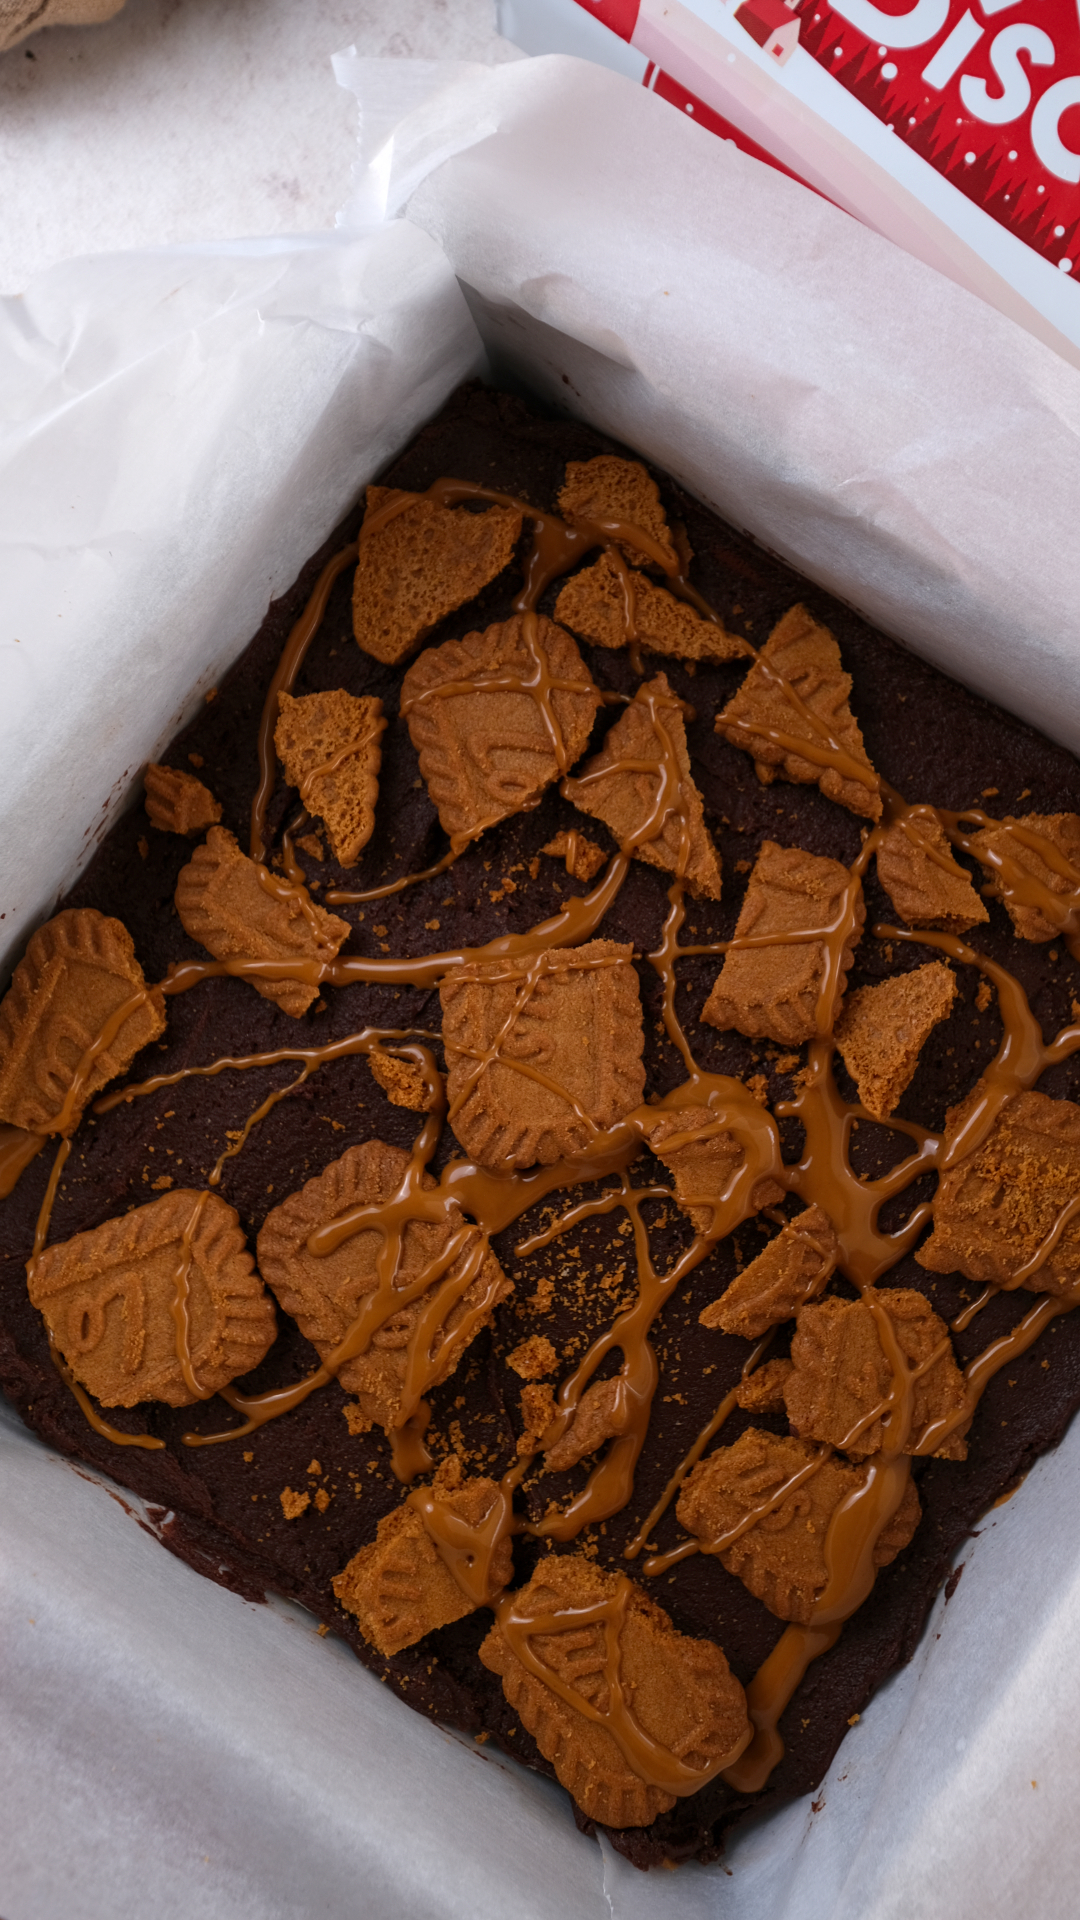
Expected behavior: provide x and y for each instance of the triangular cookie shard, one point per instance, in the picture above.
(1013, 864)
(803, 654)
(417, 565)
(225, 903)
(108, 1300)
(495, 718)
(76, 974)
(330, 747)
(882, 1029)
(594, 605)
(178, 803)
(780, 1557)
(780, 989)
(684, 1697)
(784, 1276)
(616, 788)
(705, 1160)
(608, 489)
(926, 885)
(325, 1292)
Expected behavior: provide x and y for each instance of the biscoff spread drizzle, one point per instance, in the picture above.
(823, 1174)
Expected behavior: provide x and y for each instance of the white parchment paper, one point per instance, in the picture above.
(187, 427)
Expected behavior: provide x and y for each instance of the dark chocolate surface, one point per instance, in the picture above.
(929, 737)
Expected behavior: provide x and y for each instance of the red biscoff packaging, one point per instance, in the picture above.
(952, 128)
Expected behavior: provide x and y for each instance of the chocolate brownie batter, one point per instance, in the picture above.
(238, 1511)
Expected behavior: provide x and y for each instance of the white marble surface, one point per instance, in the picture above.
(196, 119)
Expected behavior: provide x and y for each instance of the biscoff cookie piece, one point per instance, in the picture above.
(804, 654)
(543, 1052)
(239, 911)
(1059, 833)
(533, 1358)
(704, 1157)
(326, 1293)
(926, 885)
(109, 1300)
(842, 1372)
(784, 1276)
(684, 1697)
(495, 718)
(330, 747)
(762, 1391)
(996, 1212)
(882, 1031)
(599, 1415)
(582, 857)
(78, 971)
(608, 489)
(593, 604)
(614, 787)
(400, 1587)
(178, 803)
(403, 1081)
(780, 1557)
(417, 564)
(773, 990)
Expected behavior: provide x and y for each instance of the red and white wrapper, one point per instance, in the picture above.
(953, 129)
(189, 424)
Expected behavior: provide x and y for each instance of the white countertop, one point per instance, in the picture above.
(193, 119)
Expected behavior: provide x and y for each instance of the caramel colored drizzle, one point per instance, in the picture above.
(181, 1295)
(822, 1175)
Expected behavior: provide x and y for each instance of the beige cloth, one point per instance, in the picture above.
(21, 17)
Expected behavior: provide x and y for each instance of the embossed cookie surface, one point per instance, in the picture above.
(926, 885)
(329, 746)
(779, 989)
(543, 1052)
(1013, 863)
(683, 1695)
(224, 903)
(705, 1157)
(400, 1587)
(445, 1287)
(78, 970)
(594, 605)
(998, 1209)
(641, 786)
(496, 717)
(109, 1297)
(804, 654)
(780, 1556)
(178, 803)
(882, 1031)
(842, 1373)
(609, 489)
(785, 1274)
(418, 565)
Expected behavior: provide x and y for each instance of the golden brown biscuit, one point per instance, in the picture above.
(582, 856)
(882, 1031)
(419, 564)
(78, 971)
(784, 1276)
(327, 1293)
(542, 1052)
(178, 803)
(1053, 833)
(774, 990)
(495, 718)
(703, 1167)
(998, 1209)
(802, 653)
(926, 885)
(593, 604)
(614, 787)
(109, 1298)
(403, 1081)
(780, 1558)
(240, 911)
(610, 489)
(684, 1697)
(842, 1373)
(329, 746)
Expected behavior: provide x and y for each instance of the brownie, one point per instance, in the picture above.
(227, 1514)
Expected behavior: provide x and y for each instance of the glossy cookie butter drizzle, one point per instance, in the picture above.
(822, 1176)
